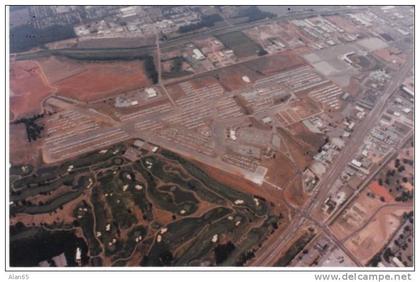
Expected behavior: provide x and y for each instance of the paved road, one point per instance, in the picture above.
(159, 68)
(270, 256)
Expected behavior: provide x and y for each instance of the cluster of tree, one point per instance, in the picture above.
(262, 52)
(253, 13)
(221, 252)
(375, 260)
(33, 130)
(409, 162)
(244, 257)
(388, 254)
(206, 21)
(25, 37)
(115, 55)
(177, 64)
(405, 196)
(150, 68)
(408, 216)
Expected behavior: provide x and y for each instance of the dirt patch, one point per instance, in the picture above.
(391, 55)
(314, 140)
(273, 64)
(202, 82)
(381, 191)
(300, 151)
(100, 80)
(234, 78)
(294, 193)
(369, 241)
(357, 214)
(57, 69)
(280, 170)
(21, 151)
(28, 87)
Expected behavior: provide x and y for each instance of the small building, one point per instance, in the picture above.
(267, 120)
(356, 163)
(197, 54)
(151, 92)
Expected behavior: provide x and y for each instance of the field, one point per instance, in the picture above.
(369, 221)
(33, 81)
(269, 65)
(159, 210)
(281, 170)
(28, 87)
(301, 149)
(57, 69)
(21, 151)
(297, 111)
(369, 240)
(356, 215)
(232, 77)
(241, 44)
(101, 79)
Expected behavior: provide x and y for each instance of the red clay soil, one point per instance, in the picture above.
(57, 68)
(381, 191)
(294, 193)
(231, 77)
(202, 82)
(314, 140)
(28, 88)
(300, 151)
(21, 151)
(391, 55)
(280, 170)
(273, 64)
(100, 80)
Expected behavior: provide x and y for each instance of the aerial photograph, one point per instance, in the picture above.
(210, 136)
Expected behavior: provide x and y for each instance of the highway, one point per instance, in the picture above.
(159, 69)
(271, 254)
